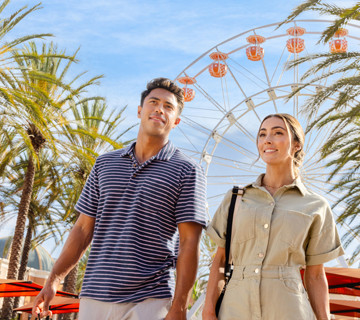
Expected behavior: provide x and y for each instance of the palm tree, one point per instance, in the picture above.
(43, 209)
(35, 109)
(342, 149)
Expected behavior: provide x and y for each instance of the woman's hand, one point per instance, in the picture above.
(208, 314)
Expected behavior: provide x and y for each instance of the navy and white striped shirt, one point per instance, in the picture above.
(137, 208)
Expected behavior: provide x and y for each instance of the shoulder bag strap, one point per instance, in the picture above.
(235, 193)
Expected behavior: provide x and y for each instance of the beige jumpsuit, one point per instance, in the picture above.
(273, 236)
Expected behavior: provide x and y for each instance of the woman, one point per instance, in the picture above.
(279, 226)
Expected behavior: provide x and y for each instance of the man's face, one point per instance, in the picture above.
(159, 113)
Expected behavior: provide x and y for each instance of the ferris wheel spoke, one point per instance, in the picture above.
(249, 72)
(266, 73)
(237, 163)
(236, 166)
(278, 64)
(320, 142)
(284, 68)
(315, 187)
(246, 132)
(237, 82)
(196, 125)
(210, 98)
(235, 147)
(238, 148)
(323, 181)
(187, 138)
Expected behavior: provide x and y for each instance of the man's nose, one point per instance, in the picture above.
(159, 108)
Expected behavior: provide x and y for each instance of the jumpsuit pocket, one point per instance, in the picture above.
(293, 286)
(294, 227)
(244, 223)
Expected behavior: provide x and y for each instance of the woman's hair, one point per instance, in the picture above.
(297, 133)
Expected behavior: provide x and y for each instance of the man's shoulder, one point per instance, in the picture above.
(112, 155)
(182, 158)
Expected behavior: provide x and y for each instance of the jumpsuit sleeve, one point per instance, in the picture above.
(216, 230)
(324, 242)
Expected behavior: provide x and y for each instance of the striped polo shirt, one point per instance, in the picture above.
(137, 208)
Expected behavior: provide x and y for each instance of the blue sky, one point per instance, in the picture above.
(131, 42)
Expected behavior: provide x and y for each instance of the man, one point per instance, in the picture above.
(143, 208)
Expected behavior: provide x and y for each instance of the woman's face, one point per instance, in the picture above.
(275, 143)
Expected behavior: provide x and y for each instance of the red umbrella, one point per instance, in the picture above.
(19, 288)
(345, 308)
(57, 305)
(343, 280)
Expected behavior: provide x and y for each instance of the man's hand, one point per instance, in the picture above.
(41, 303)
(75, 246)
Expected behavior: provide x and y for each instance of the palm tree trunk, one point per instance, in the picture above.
(24, 260)
(17, 243)
(70, 286)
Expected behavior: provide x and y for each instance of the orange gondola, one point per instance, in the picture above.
(339, 44)
(255, 53)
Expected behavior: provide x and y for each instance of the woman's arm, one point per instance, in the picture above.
(317, 287)
(215, 285)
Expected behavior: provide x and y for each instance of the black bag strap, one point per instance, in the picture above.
(235, 192)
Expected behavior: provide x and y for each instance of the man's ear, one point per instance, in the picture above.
(139, 111)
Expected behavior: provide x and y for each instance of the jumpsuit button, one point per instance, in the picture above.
(134, 175)
(261, 255)
(256, 270)
(271, 203)
(266, 226)
(134, 164)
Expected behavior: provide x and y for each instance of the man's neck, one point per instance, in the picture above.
(147, 147)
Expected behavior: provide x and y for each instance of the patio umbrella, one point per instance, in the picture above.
(343, 281)
(20, 288)
(57, 305)
(345, 308)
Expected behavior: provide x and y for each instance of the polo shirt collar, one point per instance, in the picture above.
(164, 154)
(296, 184)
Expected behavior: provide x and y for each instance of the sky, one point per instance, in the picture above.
(131, 42)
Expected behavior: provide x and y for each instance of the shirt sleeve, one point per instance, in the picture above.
(217, 227)
(324, 242)
(190, 206)
(89, 198)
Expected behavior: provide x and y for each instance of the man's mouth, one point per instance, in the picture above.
(157, 119)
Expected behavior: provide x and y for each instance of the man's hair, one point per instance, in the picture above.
(167, 84)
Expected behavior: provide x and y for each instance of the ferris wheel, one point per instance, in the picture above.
(232, 86)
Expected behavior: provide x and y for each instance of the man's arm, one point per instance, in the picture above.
(317, 288)
(186, 267)
(75, 246)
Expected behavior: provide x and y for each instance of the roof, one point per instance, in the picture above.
(39, 258)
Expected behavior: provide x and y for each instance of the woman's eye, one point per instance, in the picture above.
(279, 132)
